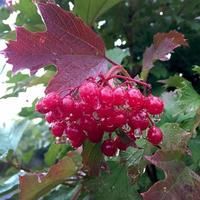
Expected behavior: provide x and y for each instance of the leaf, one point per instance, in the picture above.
(33, 186)
(117, 54)
(28, 13)
(180, 182)
(163, 44)
(10, 138)
(7, 184)
(68, 43)
(90, 10)
(113, 185)
(63, 193)
(196, 69)
(52, 153)
(176, 102)
(175, 138)
(92, 157)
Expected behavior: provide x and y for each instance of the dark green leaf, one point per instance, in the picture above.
(90, 10)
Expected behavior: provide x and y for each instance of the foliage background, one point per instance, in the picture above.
(127, 28)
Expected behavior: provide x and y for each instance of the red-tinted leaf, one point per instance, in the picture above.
(163, 44)
(33, 186)
(68, 43)
(175, 138)
(180, 183)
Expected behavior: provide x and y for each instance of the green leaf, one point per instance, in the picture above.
(52, 154)
(92, 157)
(175, 138)
(33, 186)
(90, 10)
(63, 193)
(180, 182)
(176, 103)
(117, 54)
(10, 138)
(194, 145)
(113, 185)
(196, 69)
(8, 183)
(28, 13)
(4, 28)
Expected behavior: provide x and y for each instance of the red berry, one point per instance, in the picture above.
(68, 105)
(154, 105)
(50, 117)
(135, 99)
(52, 100)
(108, 147)
(119, 118)
(107, 124)
(106, 95)
(95, 135)
(75, 135)
(41, 107)
(119, 96)
(104, 111)
(76, 114)
(57, 128)
(120, 144)
(154, 135)
(139, 120)
(89, 93)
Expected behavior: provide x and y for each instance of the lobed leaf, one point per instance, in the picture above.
(33, 186)
(113, 185)
(175, 138)
(67, 43)
(180, 182)
(163, 44)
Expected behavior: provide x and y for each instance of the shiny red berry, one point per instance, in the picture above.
(135, 99)
(108, 147)
(154, 105)
(89, 93)
(52, 100)
(57, 128)
(119, 96)
(154, 135)
(68, 105)
(41, 107)
(139, 120)
(106, 95)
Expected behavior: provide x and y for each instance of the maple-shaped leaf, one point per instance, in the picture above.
(175, 138)
(33, 186)
(68, 43)
(180, 183)
(163, 44)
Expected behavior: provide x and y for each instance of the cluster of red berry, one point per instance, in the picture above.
(95, 110)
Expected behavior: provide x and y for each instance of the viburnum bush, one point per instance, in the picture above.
(109, 128)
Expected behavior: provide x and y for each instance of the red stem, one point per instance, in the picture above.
(146, 85)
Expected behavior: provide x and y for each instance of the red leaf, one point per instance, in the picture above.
(163, 44)
(181, 183)
(33, 186)
(68, 43)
